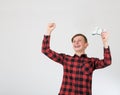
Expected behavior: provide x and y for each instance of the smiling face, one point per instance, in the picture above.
(79, 43)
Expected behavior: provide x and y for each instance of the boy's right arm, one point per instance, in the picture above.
(46, 46)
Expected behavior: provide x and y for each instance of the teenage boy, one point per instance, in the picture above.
(78, 69)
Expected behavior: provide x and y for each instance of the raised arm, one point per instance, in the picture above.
(107, 55)
(58, 57)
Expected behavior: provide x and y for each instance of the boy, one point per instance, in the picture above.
(78, 69)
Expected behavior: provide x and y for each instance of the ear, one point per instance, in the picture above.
(86, 45)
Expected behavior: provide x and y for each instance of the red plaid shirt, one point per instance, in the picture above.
(77, 77)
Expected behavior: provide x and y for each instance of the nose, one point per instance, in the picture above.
(77, 42)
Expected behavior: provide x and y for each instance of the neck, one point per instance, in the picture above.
(79, 53)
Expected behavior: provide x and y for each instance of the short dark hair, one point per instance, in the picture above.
(85, 38)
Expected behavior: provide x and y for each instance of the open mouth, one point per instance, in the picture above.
(77, 46)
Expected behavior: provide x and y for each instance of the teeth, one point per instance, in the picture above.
(77, 46)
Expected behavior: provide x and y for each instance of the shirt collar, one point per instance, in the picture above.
(83, 55)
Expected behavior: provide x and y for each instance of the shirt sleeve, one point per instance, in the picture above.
(106, 61)
(57, 57)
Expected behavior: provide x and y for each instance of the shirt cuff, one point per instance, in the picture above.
(107, 48)
(46, 36)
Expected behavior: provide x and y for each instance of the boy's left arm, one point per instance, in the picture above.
(107, 55)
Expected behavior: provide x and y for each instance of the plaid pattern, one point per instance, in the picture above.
(77, 77)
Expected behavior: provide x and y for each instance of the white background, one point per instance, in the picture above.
(24, 70)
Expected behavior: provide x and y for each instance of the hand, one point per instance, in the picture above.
(104, 36)
(50, 28)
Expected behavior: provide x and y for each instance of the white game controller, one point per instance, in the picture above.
(97, 31)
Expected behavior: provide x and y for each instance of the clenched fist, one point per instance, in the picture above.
(50, 28)
(104, 36)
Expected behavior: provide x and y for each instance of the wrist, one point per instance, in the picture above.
(48, 33)
(105, 44)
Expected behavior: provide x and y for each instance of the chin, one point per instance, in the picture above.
(77, 50)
